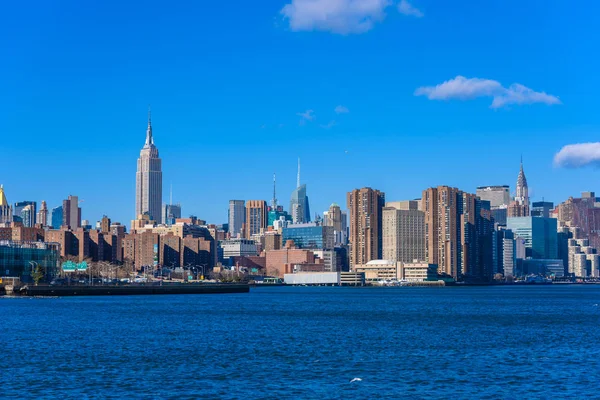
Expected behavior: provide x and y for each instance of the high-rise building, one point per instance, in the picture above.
(256, 217)
(403, 232)
(170, 213)
(148, 196)
(56, 217)
(366, 208)
(28, 216)
(541, 209)
(498, 196)
(540, 235)
(309, 236)
(6, 216)
(237, 218)
(504, 252)
(42, 215)
(26, 211)
(338, 219)
(458, 233)
(333, 217)
(519, 207)
(299, 207)
(71, 212)
(105, 224)
(582, 213)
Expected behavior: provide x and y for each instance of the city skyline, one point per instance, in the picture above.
(397, 103)
(149, 136)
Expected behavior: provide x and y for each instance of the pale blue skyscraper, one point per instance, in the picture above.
(299, 207)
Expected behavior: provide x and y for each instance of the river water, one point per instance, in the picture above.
(307, 343)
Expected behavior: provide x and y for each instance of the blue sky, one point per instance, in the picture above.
(227, 82)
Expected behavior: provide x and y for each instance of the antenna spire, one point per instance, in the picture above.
(171, 195)
(274, 201)
(298, 179)
(149, 139)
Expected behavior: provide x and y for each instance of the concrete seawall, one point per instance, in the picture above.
(190, 288)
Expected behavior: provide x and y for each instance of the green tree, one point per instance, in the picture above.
(38, 274)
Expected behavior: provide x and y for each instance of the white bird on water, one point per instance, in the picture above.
(356, 380)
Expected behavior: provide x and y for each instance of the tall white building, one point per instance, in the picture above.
(148, 192)
(403, 232)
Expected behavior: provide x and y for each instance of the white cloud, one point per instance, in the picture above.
(469, 88)
(307, 115)
(336, 16)
(519, 94)
(330, 125)
(341, 110)
(404, 7)
(578, 155)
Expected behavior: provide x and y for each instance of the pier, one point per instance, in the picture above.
(127, 290)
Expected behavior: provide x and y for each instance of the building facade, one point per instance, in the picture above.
(309, 236)
(237, 218)
(170, 213)
(403, 230)
(56, 217)
(541, 209)
(148, 194)
(365, 207)
(498, 196)
(71, 212)
(256, 217)
(458, 233)
(42, 215)
(25, 211)
(540, 236)
(338, 219)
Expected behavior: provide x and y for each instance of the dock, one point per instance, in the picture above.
(129, 290)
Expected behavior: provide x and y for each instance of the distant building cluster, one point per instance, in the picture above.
(447, 233)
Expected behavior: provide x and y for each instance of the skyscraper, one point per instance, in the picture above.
(519, 207)
(170, 212)
(26, 211)
(105, 224)
(540, 235)
(458, 233)
(541, 209)
(71, 212)
(497, 195)
(333, 217)
(403, 232)
(499, 198)
(6, 216)
(28, 216)
(299, 207)
(256, 217)
(42, 215)
(56, 217)
(148, 195)
(365, 207)
(237, 218)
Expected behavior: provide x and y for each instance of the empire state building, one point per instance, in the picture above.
(148, 188)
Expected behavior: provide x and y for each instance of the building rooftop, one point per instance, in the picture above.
(381, 262)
